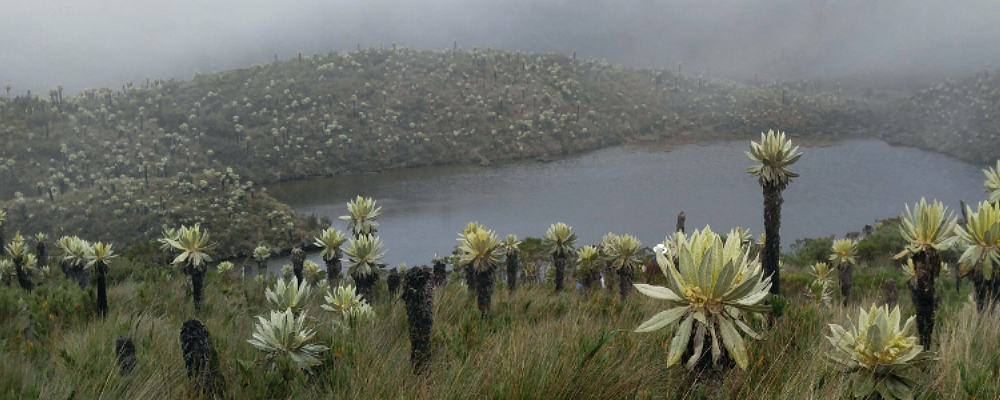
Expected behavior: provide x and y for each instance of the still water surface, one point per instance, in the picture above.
(638, 191)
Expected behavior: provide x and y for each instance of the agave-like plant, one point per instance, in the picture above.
(98, 257)
(164, 240)
(821, 271)
(981, 235)
(285, 334)
(993, 183)
(929, 229)
(261, 254)
(352, 309)
(713, 284)
(311, 271)
(511, 249)
(819, 291)
(588, 265)
(192, 243)
(844, 256)
(559, 240)
(621, 255)
(481, 250)
(364, 253)
(878, 354)
(362, 217)
(74, 255)
(774, 153)
(330, 241)
(7, 272)
(288, 295)
(17, 251)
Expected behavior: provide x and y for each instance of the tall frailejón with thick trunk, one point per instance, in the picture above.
(774, 153)
(559, 240)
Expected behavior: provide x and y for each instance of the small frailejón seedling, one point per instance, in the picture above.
(288, 295)
(284, 334)
(877, 354)
(353, 309)
(713, 285)
(774, 153)
(844, 257)
(981, 235)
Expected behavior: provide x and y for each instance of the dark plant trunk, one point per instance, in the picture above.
(197, 352)
(298, 260)
(987, 292)
(512, 260)
(419, 300)
(440, 274)
(262, 267)
(559, 261)
(845, 274)
(23, 278)
(772, 239)
(197, 283)
(102, 290)
(624, 282)
(365, 284)
(43, 256)
(393, 282)
(125, 350)
(680, 222)
(714, 374)
(484, 290)
(891, 293)
(470, 277)
(333, 269)
(927, 264)
(3, 241)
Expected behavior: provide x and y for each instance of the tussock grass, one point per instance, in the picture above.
(534, 344)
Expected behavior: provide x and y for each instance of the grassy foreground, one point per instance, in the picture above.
(535, 344)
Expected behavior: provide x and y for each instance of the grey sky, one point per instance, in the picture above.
(90, 43)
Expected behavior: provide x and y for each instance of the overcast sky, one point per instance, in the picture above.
(89, 43)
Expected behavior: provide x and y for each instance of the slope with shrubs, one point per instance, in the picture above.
(372, 110)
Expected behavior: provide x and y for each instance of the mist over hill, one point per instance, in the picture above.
(81, 45)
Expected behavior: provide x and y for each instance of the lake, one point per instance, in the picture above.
(638, 190)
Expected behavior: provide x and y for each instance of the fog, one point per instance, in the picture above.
(82, 44)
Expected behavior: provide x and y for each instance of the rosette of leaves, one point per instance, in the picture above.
(224, 268)
(713, 285)
(481, 249)
(993, 183)
(558, 241)
(362, 216)
(511, 249)
(620, 252)
(311, 271)
(821, 271)
(261, 254)
(98, 257)
(345, 301)
(981, 236)
(288, 294)
(283, 334)
(844, 256)
(929, 230)
(330, 241)
(877, 354)
(192, 244)
(364, 253)
(819, 291)
(587, 265)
